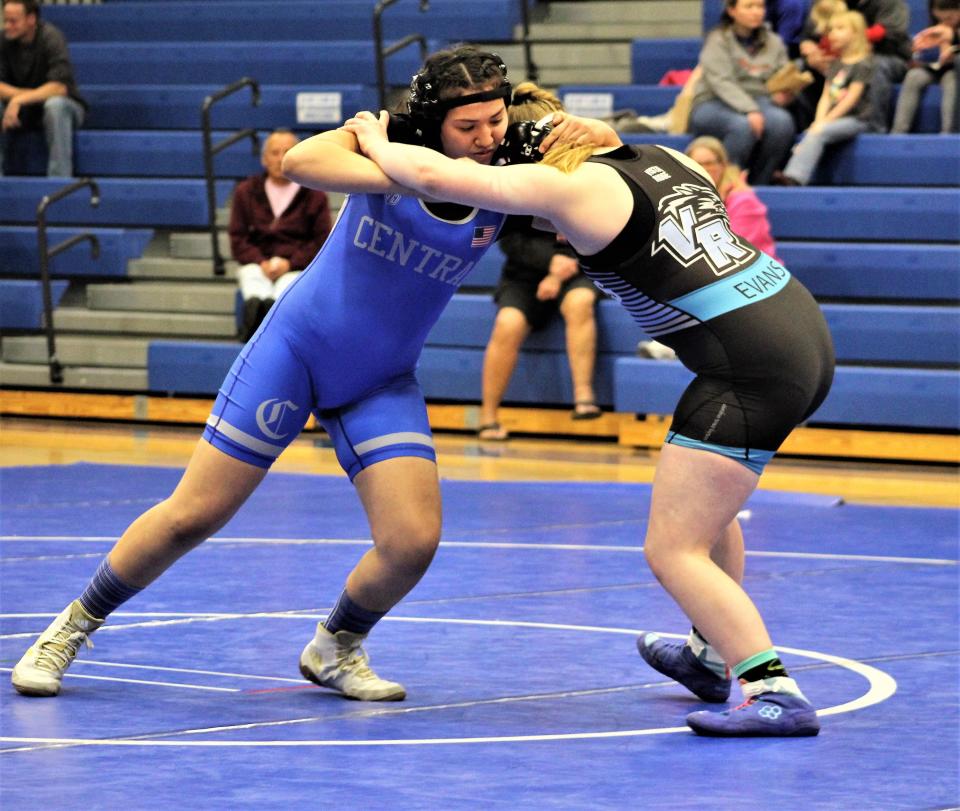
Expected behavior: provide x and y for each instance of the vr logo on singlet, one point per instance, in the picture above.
(270, 422)
(388, 243)
(694, 226)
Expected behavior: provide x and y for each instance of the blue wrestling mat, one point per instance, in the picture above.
(517, 651)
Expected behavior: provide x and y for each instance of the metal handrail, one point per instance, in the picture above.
(532, 70)
(382, 53)
(47, 253)
(210, 149)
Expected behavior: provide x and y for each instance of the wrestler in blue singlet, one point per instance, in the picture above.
(343, 341)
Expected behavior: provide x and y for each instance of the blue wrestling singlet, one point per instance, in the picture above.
(343, 341)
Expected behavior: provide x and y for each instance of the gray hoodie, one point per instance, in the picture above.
(733, 75)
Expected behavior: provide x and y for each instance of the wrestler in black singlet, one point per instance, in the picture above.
(753, 335)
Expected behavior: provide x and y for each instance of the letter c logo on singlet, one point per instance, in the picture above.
(271, 422)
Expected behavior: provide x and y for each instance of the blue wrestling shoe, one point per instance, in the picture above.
(674, 658)
(768, 715)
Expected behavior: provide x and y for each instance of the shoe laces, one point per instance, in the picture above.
(746, 703)
(354, 659)
(60, 650)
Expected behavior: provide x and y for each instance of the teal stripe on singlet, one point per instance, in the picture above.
(764, 278)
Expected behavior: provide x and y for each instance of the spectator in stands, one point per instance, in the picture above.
(37, 86)
(887, 22)
(732, 102)
(746, 212)
(540, 277)
(945, 16)
(343, 343)
(276, 228)
(844, 109)
(816, 55)
(648, 226)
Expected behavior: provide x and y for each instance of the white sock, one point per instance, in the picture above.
(778, 684)
(707, 655)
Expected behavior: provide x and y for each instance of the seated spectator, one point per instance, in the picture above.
(945, 13)
(887, 22)
(540, 277)
(746, 212)
(844, 108)
(37, 85)
(732, 102)
(276, 228)
(816, 57)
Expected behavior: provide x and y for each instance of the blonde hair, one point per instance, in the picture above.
(823, 10)
(731, 177)
(568, 157)
(531, 103)
(860, 45)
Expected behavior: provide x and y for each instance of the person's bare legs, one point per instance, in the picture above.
(213, 487)
(401, 497)
(694, 547)
(510, 330)
(577, 309)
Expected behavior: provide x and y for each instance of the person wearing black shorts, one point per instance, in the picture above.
(540, 278)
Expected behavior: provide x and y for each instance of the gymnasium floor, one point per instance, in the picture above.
(517, 649)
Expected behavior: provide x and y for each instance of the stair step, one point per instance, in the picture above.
(165, 267)
(74, 377)
(197, 246)
(163, 297)
(78, 350)
(617, 12)
(75, 319)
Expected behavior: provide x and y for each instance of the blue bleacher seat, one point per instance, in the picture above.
(19, 253)
(161, 154)
(151, 203)
(21, 302)
(868, 160)
(190, 20)
(860, 395)
(302, 63)
(874, 213)
(189, 367)
(177, 106)
(650, 59)
(853, 270)
(649, 98)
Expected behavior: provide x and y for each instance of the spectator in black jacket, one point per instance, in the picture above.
(37, 86)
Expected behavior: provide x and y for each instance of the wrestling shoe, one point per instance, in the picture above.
(768, 715)
(40, 670)
(674, 658)
(339, 662)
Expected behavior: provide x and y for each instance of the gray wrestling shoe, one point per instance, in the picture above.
(40, 670)
(339, 662)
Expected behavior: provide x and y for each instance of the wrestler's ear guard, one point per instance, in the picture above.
(521, 144)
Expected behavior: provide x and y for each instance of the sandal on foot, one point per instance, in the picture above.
(586, 410)
(492, 432)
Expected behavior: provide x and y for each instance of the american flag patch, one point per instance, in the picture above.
(482, 236)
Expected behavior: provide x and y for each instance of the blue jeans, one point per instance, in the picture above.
(808, 152)
(61, 116)
(760, 157)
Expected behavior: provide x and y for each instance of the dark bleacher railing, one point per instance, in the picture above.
(382, 53)
(47, 253)
(210, 150)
